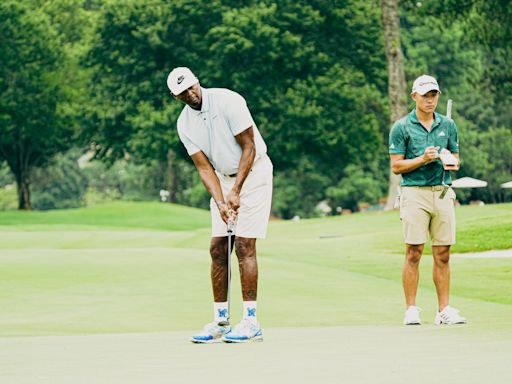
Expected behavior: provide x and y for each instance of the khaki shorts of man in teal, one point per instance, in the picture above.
(424, 214)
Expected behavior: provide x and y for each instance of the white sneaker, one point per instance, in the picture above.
(412, 316)
(449, 315)
(244, 332)
(211, 333)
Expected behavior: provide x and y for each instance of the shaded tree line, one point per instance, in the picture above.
(91, 75)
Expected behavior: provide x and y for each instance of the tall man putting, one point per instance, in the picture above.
(229, 153)
(416, 144)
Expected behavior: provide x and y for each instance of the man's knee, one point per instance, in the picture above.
(245, 248)
(413, 254)
(218, 251)
(441, 255)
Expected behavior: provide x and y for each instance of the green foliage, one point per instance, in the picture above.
(123, 180)
(486, 24)
(61, 184)
(93, 73)
(492, 162)
(136, 44)
(37, 82)
(6, 176)
(313, 98)
(298, 191)
(8, 198)
(358, 186)
(142, 181)
(195, 195)
(30, 58)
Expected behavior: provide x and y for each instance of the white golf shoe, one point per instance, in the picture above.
(449, 315)
(412, 316)
(244, 332)
(211, 333)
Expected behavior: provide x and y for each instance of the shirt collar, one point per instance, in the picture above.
(414, 118)
(205, 103)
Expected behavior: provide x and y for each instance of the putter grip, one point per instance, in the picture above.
(231, 225)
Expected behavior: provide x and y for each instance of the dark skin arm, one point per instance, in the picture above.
(401, 165)
(210, 180)
(246, 141)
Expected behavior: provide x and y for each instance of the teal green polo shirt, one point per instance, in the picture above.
(410, 138)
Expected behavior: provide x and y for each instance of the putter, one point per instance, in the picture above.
(231, 227)
(448, 115)
(449, 108)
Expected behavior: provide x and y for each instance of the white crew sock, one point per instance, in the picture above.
(220, 311)
(250, 311)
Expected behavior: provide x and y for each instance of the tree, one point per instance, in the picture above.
(312, 97)
(487, 23)
(135, 45)
(60, 184)
(35, 121)
(396, 78)
(358, 186)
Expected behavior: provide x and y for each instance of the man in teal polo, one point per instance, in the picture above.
(419, 146)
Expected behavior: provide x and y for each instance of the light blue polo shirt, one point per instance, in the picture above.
(223, 115)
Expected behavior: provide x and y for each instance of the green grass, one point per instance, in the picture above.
(144, 267)
(120, 215)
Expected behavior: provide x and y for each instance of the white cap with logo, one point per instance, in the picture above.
(180, 79)
(425, 84)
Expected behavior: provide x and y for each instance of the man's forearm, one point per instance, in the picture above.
(407, 165)
(212, 184)
(246, 161)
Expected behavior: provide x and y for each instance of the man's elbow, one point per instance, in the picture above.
(395, 169)
(249, 148)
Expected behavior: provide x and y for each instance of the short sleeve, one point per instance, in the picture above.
(239, 116)
(453, 138)
(189, 145)
(397, 140)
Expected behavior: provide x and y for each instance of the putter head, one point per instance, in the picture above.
(224, 323)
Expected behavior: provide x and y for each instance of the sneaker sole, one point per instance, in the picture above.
(212, 341)
(443, 323)
(256, 338)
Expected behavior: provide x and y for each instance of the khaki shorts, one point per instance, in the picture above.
(423, 212)
(255, 202)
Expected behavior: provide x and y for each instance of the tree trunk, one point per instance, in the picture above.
(172, 176)
(23, 183)
(397, 92)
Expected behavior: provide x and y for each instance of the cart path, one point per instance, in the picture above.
(495, 254)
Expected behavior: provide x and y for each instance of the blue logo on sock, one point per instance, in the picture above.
(223, 312)
(251, 312)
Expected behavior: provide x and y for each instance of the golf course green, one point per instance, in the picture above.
(111, 294)
(144, 267)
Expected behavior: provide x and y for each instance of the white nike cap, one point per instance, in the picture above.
(425, 84)
(180, 79)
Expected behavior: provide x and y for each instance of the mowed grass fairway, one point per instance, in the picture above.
(110, 294)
